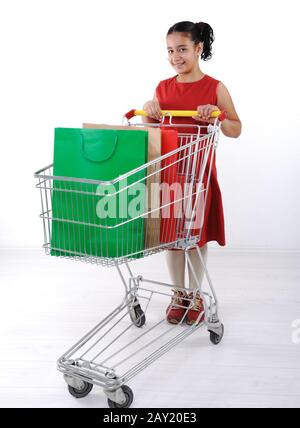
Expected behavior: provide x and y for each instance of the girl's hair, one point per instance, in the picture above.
(198, 32)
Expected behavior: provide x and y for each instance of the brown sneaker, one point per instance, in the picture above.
(195, 310)
(177, 308)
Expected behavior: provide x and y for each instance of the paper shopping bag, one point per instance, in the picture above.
(93, 219)
(152, 220)
(170, 190)
(182, 198)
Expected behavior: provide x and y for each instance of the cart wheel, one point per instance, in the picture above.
(82, 392)
(129, 398)
(140, 317)
(216, 338)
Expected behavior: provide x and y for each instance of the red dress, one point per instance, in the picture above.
(173, 95)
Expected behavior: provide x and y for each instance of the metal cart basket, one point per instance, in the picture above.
(136, 332)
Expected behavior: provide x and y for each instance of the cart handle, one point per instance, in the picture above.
(221, 115)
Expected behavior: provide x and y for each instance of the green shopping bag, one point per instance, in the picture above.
(92, 219)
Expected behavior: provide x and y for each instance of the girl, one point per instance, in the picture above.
(191, 89)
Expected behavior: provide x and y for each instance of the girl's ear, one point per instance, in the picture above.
(199, 48)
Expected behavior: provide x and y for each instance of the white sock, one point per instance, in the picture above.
(197, 265)
(176, 266)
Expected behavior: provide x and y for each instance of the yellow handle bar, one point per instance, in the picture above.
(176, 113)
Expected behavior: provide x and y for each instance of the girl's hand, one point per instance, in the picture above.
(204, 113)
(152, 108)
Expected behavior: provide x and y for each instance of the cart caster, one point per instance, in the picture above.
(140, 317)
(137, 316)
(81, 392)
(216, 338)
(128, 395)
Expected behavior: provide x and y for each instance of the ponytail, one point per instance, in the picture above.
(205, 35)
(198, 32)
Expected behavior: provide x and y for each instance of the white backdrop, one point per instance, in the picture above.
(68, 61)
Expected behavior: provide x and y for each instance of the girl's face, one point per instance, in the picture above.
(183, 53)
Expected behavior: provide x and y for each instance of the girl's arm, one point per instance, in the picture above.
(153, 110)
(231, 126)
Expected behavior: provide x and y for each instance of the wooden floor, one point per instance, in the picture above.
(47, 304)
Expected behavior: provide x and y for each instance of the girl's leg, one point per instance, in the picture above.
(176, 265)
(197, 308)
(197, 265)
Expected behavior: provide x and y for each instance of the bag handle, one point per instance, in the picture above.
(98, 145)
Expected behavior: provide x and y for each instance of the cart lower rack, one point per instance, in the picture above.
(133, 335)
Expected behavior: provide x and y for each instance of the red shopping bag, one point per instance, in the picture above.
(169, 175)
(182, 203)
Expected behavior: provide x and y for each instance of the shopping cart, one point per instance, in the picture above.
(136, 332)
